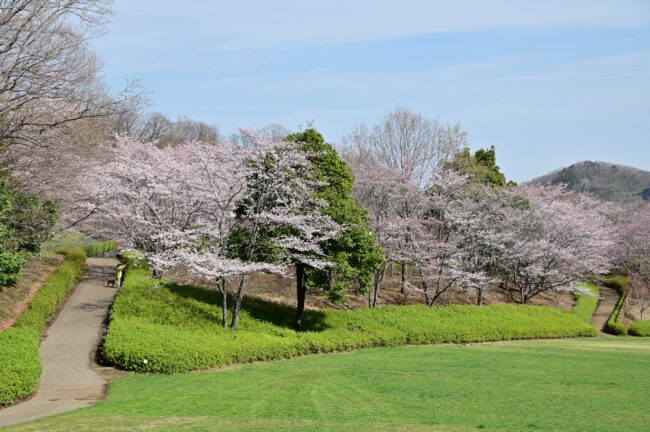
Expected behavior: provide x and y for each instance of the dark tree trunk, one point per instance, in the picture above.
(301, 293)
(377, 279)
(479, 295)
(434, 298)
(238, 300)
(402, 287)
(224, 302)
(524, 297)
(425, 289)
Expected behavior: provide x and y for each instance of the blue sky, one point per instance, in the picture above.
(547, 82)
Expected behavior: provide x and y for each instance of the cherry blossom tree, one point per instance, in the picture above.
(221, 211)
(478, 235)
(633, 252)
(280, 218)
(550, 237)
(640, 291)
(140, 191)
(416, 227)
(388, 197)
(215, 181)
(176, 204)
(444, 266)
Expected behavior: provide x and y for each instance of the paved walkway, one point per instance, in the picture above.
(69, 380)
(606, 305)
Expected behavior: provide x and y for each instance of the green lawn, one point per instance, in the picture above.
(559, 385)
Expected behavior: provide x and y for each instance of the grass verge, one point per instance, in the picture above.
(158, 326)
(19, 358)
(99, 248)
(555, 385)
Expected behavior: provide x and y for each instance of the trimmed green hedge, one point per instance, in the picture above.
(586, 305)
(640, 328)
(99, 248)
(134, 260)
(20, 366)
(621, 285)
(158, 326)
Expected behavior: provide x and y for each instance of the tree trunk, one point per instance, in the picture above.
(479, 295)
(224, 303)
(425, 287)
(402, 287)
(524, 297)
(301, 292)
(378, 278)
(238, 300)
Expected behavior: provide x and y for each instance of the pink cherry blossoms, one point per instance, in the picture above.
(463, 236)
(181, 204)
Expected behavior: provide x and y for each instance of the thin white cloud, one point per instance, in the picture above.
(619, 67)
(259, 24)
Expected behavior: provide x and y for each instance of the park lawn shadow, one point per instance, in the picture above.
(278, 314)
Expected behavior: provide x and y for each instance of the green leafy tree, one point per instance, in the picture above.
(25, 222)
(31, 221)
(354, 252)
(481, 167)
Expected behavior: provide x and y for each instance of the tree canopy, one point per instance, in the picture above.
(481, 167)
(353, 252)
(25, 222)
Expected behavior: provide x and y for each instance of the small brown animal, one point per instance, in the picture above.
(110, 282)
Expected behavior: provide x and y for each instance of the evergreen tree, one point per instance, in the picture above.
(353, 252)
(481, 167)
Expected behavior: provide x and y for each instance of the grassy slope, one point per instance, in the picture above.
(567, 385)
(176, 328)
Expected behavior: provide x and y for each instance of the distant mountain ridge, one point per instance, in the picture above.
(608, 181)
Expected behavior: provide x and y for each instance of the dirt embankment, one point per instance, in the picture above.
(14, 299)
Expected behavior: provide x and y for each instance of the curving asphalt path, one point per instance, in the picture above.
(69, 380)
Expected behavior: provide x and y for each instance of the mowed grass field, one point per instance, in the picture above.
(561, 385)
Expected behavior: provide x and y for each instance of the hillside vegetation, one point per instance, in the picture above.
(608, 181)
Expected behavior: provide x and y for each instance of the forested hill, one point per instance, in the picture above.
(606, 180)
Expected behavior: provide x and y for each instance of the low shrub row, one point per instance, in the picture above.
(640, 328)
(99, 248)
(158, 326)
(620, 284)
(20, 366)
